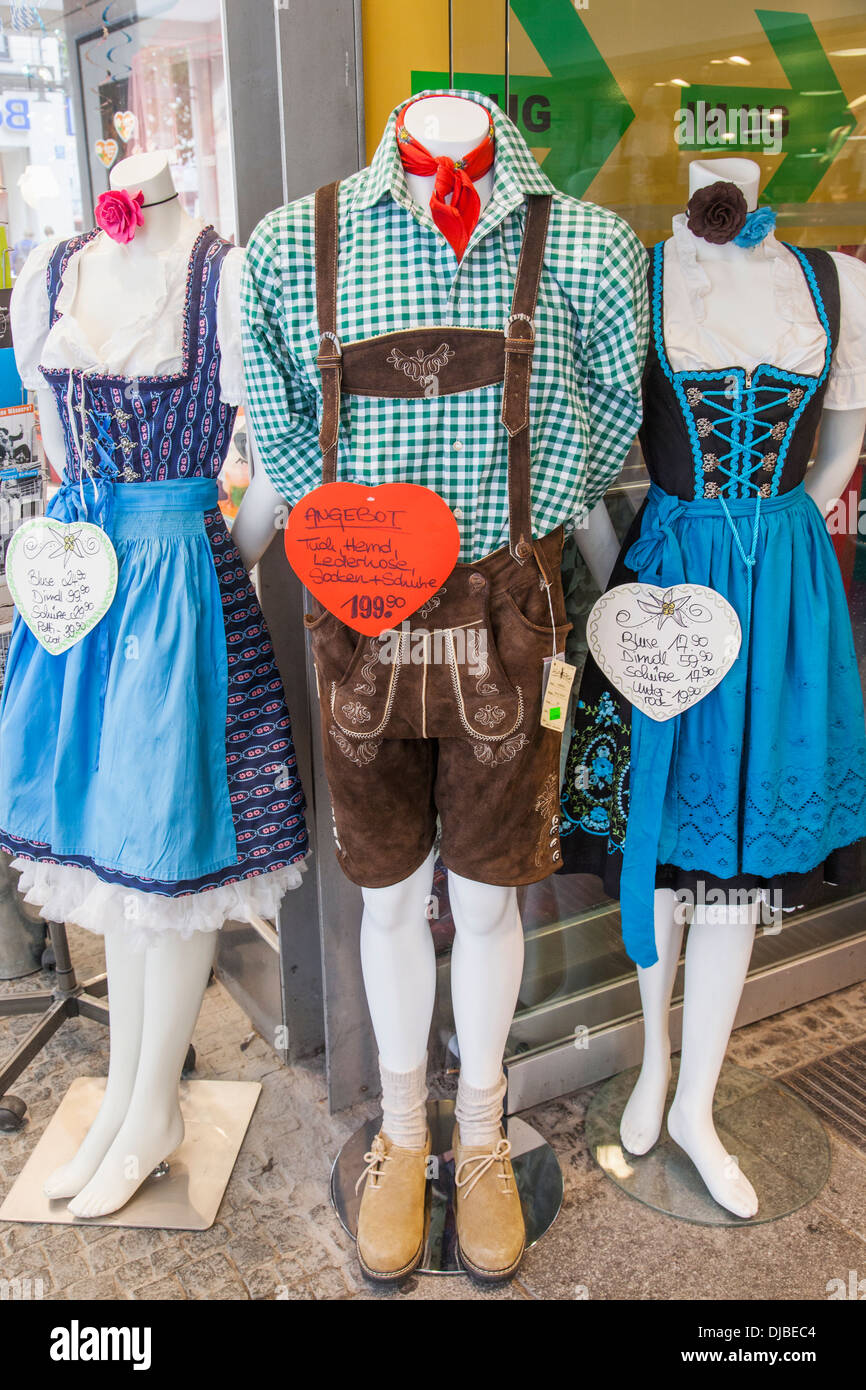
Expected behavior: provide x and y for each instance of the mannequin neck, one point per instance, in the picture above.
(165, 221)
(450, 127)
(746, 174)
(728, 254)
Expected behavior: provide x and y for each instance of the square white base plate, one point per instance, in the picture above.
(217, 1115)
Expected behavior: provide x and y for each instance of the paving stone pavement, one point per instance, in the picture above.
(276, 1236)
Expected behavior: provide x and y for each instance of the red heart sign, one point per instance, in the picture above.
(372, 555)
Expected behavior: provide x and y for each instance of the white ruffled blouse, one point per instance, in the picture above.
(798, 346)
(149, 345)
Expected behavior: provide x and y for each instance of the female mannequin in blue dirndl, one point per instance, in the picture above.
(148, 783)
(756, 794)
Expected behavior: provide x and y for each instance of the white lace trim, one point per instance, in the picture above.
(67, 893)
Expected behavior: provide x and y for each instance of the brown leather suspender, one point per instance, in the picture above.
(412, 358)
(329, 360)
(519, 349)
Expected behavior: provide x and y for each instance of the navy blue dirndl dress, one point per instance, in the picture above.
(148, 773)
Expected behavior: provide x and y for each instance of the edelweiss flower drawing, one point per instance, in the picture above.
(664, 607)
(67, 543)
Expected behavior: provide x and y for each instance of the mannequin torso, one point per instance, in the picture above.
(122, 307)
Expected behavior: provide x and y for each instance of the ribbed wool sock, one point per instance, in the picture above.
(404, 1105)
(479, 1111)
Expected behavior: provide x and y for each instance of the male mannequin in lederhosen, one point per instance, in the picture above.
(431, 235)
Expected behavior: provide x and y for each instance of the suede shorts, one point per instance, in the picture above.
(439, 721)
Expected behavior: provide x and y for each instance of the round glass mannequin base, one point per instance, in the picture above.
(778, 1142)
(536, 1172)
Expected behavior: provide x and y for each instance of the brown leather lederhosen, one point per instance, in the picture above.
(454, 730)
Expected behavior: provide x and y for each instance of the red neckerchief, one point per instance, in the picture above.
(457, 219)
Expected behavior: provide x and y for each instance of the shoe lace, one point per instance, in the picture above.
(375, 1158)
(479, 1164)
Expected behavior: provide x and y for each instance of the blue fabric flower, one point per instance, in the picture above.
(758, 225)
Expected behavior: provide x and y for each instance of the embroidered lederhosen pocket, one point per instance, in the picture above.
(429, 680)
(473, 694)
(361, 702)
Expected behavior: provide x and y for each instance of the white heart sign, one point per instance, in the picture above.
(62, 576)
(663, 649)
(106, 152)
(125, 124)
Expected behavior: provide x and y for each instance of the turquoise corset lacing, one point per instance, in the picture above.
(739, 402)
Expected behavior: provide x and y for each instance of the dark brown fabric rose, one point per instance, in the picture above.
(717, 213)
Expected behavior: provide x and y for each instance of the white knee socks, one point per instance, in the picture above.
(479, 1112)
(404, 1108)
(404, 1105)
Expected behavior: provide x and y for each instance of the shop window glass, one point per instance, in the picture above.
(615, 100)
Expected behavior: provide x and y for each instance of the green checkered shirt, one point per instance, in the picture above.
(396, 270)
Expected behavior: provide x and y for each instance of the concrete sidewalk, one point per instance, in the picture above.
(277, 1237)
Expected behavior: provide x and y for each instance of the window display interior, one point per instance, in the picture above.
(472, 317)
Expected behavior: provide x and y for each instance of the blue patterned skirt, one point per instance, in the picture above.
(766, 776)
(156, 753)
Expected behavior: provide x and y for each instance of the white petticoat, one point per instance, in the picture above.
(67, 893)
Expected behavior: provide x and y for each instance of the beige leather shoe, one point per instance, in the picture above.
(393, 1209)
(490, 1229)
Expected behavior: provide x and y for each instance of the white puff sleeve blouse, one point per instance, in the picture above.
(147, 345)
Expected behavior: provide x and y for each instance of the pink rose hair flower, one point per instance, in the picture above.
(119, 215)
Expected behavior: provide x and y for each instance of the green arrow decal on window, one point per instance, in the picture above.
(579, 112)
(808, 121)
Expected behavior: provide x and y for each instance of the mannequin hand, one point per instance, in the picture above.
(262, 512)
(258, 518)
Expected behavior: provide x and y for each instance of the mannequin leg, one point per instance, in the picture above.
(486, 967)
(399, 965)
(642, 1118)
(717, 960)
(125, 968)
(175, 975)
(398, 961)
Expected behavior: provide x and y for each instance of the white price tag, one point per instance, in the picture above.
(62, 576)
(556, 687)
(663, 649)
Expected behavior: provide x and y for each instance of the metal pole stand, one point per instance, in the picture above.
(68, 999)
(22, 931)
